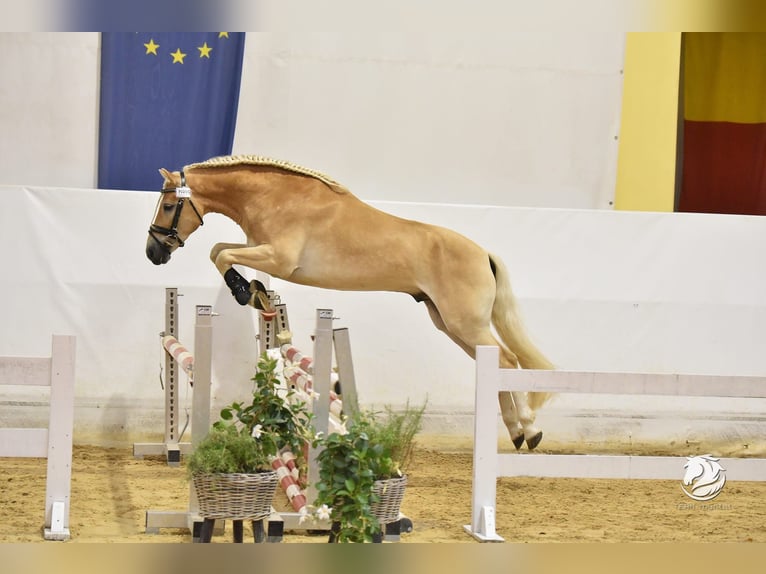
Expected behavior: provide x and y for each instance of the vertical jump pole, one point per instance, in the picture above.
(342, 341)
(203, 373)
(269, 329)
(172, 448)
(325, 339)
(323, 346)
(203, 345)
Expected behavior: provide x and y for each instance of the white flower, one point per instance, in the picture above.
(257, 431)
(318, 435)
(323, 512)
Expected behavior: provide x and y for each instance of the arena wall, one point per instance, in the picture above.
(599, 290)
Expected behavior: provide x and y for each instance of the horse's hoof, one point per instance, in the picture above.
(518, 442)
(534, 441)
(260, 298)
(260, 301)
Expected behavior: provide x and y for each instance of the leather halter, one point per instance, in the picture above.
(171, 233)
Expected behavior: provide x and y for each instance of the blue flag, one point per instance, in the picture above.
(167, 100)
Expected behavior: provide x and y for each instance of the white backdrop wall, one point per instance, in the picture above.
(599, 290)
(519, 119)
(526, 118)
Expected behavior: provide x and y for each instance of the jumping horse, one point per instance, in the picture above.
(304, 227)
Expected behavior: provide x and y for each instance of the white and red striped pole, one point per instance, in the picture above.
(180, 353)
(289, 483)
(304, 383)
(298, 359)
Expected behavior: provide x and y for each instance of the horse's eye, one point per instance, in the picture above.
(167, 206)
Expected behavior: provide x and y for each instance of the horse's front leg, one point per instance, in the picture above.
(218, 247)
(239, 286)
(260, 258)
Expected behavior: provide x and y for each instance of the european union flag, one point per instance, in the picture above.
(167, 100)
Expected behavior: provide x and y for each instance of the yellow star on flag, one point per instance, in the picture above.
(151, 47)
(223, 34)
(178, 56)
(204, 51)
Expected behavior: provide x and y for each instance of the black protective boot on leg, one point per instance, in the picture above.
(239, 286)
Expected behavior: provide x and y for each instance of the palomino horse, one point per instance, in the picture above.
(336, 241)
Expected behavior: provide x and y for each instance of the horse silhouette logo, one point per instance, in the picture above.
(704, 477)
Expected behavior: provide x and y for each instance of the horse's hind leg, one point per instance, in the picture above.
(507, 405)
(515, 403)
(511, 418)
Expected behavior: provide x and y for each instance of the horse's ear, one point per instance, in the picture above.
(167, 175)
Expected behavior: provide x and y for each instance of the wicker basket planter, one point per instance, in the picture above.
(235, 496)
(391, 493)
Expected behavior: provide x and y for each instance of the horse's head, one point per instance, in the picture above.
(172, 224)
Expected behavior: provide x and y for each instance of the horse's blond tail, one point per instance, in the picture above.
(509, 327)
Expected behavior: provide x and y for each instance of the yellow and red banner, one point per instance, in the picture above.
(724, 123)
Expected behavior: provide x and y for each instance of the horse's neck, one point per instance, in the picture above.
(225, 194)
(248, 197)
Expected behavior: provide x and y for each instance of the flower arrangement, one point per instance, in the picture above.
(247, 437)
(375, 447)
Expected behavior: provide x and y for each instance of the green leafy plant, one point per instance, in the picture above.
(375, 447)
(248, 435)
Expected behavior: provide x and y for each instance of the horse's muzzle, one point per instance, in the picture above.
(157, 253)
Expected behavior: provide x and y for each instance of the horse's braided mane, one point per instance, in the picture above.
(234, 160)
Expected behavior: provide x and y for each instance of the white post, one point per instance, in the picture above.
(323, 343)
(346, 376)
(60, 429)
(485, 436)
(203, 368)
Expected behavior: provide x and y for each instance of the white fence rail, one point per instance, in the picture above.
(54, 442)
(488, 464)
